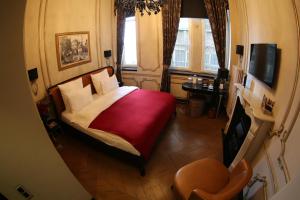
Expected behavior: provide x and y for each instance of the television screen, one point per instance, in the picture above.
(263, 62)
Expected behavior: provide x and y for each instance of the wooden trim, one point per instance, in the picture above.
(150, 80)
(102, 68)
(141, 74)
(132, 79)
(55, 95)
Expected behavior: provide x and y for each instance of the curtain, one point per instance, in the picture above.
(216, 11)
(237, 77)
(120, 42)
(123, 9)
(171, 15)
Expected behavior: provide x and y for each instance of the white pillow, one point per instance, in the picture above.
(69, 87)
(96, 79)
(80, 98)
(109, 84)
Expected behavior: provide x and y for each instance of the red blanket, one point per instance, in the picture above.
(138, 117)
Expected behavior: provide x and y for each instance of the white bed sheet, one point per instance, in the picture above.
(82, 119)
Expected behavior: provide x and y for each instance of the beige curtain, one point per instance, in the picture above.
(171, 16)
(237, 77)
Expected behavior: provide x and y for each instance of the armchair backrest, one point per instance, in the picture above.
(239, 177)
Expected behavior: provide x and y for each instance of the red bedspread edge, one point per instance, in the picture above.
(140, 123)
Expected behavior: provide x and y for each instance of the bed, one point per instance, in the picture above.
(127, 118)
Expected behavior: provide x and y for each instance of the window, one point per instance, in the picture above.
(191, 51)
(129, 50)
(210, 59)
(180, 56)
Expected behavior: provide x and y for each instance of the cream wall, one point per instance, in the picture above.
(273, 21)
(106, 29)
(27, 155)
(43, 19)
(150, 52)
(150, 55)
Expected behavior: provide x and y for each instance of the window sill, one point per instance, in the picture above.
(129, 69)
(185, 72)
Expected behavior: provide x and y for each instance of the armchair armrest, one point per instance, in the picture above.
(198, 194)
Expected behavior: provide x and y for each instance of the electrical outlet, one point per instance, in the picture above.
(25, 193)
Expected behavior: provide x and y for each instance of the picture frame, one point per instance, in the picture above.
(72, 49)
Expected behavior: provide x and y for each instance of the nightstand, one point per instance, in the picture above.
(121, 84)
(51, 124)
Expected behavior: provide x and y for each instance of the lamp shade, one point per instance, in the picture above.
(240, 49)
(107, 53)
(33, 74)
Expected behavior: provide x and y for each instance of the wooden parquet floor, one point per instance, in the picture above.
(185, 139)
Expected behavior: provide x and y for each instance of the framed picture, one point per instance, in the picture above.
(72, 49)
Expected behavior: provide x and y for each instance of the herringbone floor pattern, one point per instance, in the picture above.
(185, 139)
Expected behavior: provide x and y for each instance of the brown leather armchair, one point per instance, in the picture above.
(209, 179)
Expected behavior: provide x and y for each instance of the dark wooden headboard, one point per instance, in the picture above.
(55, 94)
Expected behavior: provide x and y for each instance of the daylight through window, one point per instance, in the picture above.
(180, 56)
(129, 50)
(194, 48)
(210, 57)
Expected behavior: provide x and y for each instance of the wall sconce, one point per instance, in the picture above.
(239, 50)
(33, 76)
(107, 55)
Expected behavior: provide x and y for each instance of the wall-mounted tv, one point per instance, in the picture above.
(263, 62)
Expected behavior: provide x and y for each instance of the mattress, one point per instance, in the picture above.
(81, 120)
(138, 117)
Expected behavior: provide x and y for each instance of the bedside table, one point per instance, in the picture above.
(121, 84)
(50, 122)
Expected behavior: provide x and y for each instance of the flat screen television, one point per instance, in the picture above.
(263, 62)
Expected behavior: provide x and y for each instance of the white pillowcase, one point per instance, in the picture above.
(67, 88)
(80, 98)
(97, 78)
(109, 84)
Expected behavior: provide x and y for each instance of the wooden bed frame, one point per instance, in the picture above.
(56, 99)
(55, 94)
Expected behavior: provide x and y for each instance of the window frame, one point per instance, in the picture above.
(188, 67)
(202, 69)
(131, 67)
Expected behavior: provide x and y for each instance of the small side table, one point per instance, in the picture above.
(51, 124)
(199, 89)
(121, 84)
(54, 129)
(222, 93)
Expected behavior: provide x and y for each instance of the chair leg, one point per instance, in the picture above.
(142, 171)
(142, 166)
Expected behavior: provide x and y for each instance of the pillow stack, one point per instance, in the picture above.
(80, 98)
(103, 83)
(75, 96)
(68, 88)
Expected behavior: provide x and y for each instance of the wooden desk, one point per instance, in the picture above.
(199, 89)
